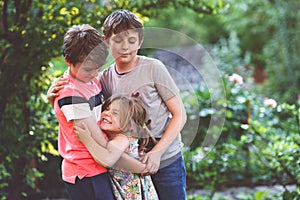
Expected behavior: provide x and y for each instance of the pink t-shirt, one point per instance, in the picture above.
(77, 100)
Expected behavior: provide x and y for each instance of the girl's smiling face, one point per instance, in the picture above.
(110, 118)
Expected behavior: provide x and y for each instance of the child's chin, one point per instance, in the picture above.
(103, 127)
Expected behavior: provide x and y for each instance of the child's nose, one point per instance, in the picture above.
(107, 113)
(124, 45)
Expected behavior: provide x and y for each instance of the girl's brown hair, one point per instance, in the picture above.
(133, 119)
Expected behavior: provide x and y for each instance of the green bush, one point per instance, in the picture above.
(259, 143)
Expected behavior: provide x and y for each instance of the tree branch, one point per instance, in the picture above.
(4, 15)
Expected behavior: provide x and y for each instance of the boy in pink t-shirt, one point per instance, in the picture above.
(80, 101)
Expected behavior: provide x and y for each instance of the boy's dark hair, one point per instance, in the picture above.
(83, 42)
(120, 21)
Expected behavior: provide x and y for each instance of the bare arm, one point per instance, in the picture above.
(131, 164)
(112, 154)
(108, 156)
(93, 131)
(176, 108)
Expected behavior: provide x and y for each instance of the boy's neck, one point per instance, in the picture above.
(73, 76)
(123, 68)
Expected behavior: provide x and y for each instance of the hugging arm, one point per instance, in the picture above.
(94, 131)
(131, 164)
(108, 156)
(113, 154)
(176, 108)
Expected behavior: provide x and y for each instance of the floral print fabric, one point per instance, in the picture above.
(131, 186)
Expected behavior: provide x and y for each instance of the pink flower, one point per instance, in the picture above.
(236, 78)
(270, 102)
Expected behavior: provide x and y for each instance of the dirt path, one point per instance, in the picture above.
(241, 192)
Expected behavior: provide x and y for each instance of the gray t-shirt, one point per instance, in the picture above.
(152, 81)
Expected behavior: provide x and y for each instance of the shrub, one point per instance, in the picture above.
(259, 143)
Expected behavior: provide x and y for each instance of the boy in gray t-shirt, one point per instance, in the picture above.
(148, 78)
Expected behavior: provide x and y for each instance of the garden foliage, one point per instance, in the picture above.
(259, 143)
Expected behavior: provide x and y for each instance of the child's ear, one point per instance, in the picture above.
(68, 62)
(141, 42)
(106, 40)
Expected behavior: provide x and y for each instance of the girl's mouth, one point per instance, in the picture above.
(106, 121)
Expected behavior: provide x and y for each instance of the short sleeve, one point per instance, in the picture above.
(164, 83)
(75, 108)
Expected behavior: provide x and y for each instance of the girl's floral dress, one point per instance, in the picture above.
(127, 185)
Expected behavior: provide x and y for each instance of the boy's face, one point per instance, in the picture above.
(85, 71)
(110, 118)
(124, 46)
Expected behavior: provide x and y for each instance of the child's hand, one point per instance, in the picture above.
(152, 161)
(145, 172)
(56, 85)
(82, 134)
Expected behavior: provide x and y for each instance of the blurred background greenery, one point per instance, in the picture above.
(257, 40)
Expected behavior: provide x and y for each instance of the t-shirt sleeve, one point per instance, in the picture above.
(75, 107)
(164, 83)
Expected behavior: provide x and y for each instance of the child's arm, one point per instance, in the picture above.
(112, 154)
(176, 108)
(94, 130)
(108, 156)
(131, 164)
